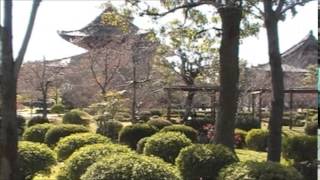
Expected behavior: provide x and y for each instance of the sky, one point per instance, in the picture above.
(54, 15)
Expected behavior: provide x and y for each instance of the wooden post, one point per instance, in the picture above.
(213, 105)
(169, 105)
(253, 105)
(291, 110)
(260, 107)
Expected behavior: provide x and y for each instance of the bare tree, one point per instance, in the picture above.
(104, 70)
(42, 76)
(9, 71)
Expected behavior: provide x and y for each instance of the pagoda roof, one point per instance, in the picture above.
(298, 57)
(97, 34)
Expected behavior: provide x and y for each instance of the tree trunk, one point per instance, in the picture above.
(229, 76)
(277, 103)
(188, 105)
(9, 134)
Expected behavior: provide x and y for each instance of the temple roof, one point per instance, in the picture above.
(298, 57)
(97, 34)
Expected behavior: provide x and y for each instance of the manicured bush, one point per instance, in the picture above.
(251, 170)
(144, 116)
(54, 134)
(166, 145)
(21, 122)
(156, 112)
(131, 166)
(79, 161)
(57, 108)
(74, 117)
(311, 128)
(140, 145)
(37, 120)
(245, 122)
(33, 158)
(159, 123)
(37, 132)
(308, 169)
(257, 139)
(109, 128)
(186, 130)
(67, 145)
(130, 135)
(201, 161)
(240, 138)
(300, 148)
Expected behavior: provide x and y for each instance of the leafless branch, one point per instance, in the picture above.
(293, 5)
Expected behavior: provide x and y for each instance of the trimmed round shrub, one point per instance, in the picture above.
(204, 161)
(300, 148)
(54, 134)
(257, 139)
(144, 116)
(240, 138)
(57, 108)
(37, 132)
(186, 130)
(245, 122)
(33, 158)
(109, 128)
(166, 145)
(130, 135)
(80, 160)
(74, 117)
(140, 145)
(37, 120)
(131, 166)
(251, 170)
(21, 122)
(159, 123)
(67, 145)
(311, 128)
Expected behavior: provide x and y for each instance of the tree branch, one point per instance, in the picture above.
(293, 5)
(22, 51)
(188, 6)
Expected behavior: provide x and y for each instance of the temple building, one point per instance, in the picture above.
(111, 51)
(296, 64)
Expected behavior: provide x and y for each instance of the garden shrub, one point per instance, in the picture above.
(21, 122)
(33, 158)
(144, 116)
(37, 120)
(57, 108)
(300, 148)
(54, 134)
(109, 128)
(37, 132)
(156, 112)
(198, 124)
(311, 128)
(159, 123)
(80, 160)
(67, 145)
(203, 161)
(130, 135)
(166, 145)
(245, 122)
(240, 138)
(186, 130)
(308, 169)
(257, 139)
(251, 170)
(74, 117)
(131, 166)
(141, 144)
